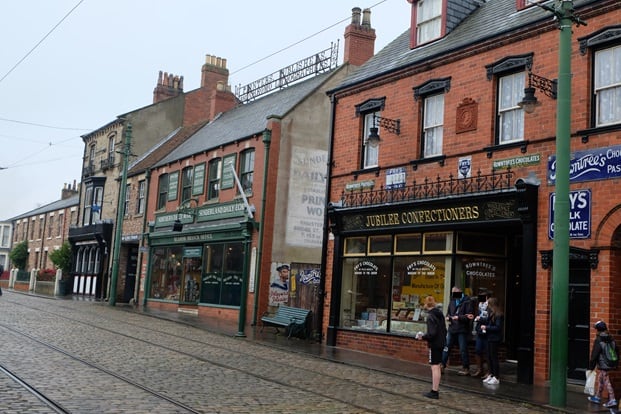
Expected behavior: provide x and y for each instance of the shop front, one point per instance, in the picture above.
(201, 264)
(389, 257)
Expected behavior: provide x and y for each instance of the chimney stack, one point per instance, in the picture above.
(214, 71)
(68, 191)
(168, 86)
(359, 38)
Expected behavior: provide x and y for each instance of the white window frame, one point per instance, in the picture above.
(510, 115)
(433, 125)
(370, 155)
(140, 204)
(608, 86)
(428, 20)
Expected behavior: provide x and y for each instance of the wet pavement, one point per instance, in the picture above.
(508, 390)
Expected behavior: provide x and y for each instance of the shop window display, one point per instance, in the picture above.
(384, 285)
(166, 273)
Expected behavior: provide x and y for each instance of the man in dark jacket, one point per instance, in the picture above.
(459, 314)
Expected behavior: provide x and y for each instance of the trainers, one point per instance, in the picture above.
(594, 399)
(611, 403)
(464, 372)
(492, 381)
(477, 373)
(432, 394)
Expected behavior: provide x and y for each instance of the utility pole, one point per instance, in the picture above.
(120, 213)
(560, 259)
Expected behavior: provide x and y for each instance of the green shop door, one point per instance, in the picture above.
(189, 291)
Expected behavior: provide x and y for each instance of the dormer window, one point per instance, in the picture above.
(428, 20)
(522, 4)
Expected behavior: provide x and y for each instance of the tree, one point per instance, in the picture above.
(19, 255)
(62, 258)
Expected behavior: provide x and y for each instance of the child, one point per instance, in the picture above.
(436, 339)
(603, 366)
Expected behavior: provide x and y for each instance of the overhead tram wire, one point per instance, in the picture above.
(40, 41)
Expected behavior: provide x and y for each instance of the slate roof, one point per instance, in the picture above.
(53, 206)
(246, 120)
(492, 19)
(163, 148)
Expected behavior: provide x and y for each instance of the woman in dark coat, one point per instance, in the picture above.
(436, 339)
(492, 329)
(598, 360)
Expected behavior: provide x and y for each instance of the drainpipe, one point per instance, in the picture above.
(267, 139)
(120, 214)
(326, 230)
(141, 244)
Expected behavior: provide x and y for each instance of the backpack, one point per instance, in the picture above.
(609, 350)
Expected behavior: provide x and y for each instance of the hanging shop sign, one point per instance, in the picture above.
(589, 165)
(579, 215)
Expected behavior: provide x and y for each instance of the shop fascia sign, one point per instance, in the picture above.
(468, 212)
(204, 213)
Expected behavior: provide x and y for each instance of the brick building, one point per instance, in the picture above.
(244, 196)
(438, 177)
(46, 228)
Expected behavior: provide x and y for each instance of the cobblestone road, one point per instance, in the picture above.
(93, 358)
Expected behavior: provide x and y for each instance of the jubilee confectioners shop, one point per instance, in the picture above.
(394, 247)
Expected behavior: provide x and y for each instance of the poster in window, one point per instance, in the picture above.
(228, 179)
(173, 184)
(198, 183)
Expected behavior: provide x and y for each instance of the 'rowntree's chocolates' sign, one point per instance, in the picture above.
(593, 164)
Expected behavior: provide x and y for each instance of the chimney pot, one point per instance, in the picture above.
(355, 16)
(366, 18)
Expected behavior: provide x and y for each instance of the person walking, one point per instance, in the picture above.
(460, 313)
(436, 339)
(492, 330)
(599, 359)
(480, 345)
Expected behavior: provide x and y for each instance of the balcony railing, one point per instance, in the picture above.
(431, 189)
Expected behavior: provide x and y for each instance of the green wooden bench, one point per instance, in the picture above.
(296, 321)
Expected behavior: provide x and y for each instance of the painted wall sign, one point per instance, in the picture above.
(228, 180)
(579, 215)
(395, 178)
(198, 184)
(173, 185)
(464, 167)
(589, 165)
(516, 162)
(307, 188)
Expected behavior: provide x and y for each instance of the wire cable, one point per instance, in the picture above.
(40, 41)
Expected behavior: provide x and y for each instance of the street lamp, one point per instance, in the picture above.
(390, 125)
(563, 11)
(547, 86)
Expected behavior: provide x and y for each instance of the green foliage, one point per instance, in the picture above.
(62, 258)
(19, 255)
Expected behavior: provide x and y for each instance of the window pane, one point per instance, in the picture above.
(511, 116)
(166, 272)
(232, 275)
(438, 242)
(247, 170)
(380, 244)
(355, 245)
(370, 154)
(162, 191)
(608, 86)
(212, 275)
(408, 243)
(213, 186)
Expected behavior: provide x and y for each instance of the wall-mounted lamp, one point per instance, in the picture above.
(391, 125)
(547, 86)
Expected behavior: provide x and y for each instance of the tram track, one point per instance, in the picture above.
(390, 387)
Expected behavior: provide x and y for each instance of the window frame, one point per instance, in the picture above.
(613, 86)
(187, 180)
(162, 191)
(214, 177)
(246, 169)
(140, 194)
(428, 21)
(508, 110)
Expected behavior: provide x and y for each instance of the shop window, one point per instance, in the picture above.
(355, 246)
(166, 273)
(438, 243)
(222, 274)
(365, 293)
(408, 243)
(380, 245)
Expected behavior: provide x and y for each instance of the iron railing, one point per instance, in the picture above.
(431, 189)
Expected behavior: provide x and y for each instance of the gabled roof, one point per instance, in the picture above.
(492, 19)
(53, 206)
(246, 120)
(163, 148)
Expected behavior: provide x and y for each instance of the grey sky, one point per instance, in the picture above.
(103, 60)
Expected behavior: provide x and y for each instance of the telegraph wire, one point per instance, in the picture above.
(40, 41)
(43, 125)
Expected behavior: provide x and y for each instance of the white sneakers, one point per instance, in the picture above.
(491, 380)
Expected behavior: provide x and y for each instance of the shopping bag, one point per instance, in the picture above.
(589, 385)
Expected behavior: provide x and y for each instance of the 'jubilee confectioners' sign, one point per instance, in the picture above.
(457, 213)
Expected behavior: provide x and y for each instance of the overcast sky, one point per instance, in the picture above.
(68, 67)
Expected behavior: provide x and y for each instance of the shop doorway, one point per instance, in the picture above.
(579, 314)
(189, 289)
